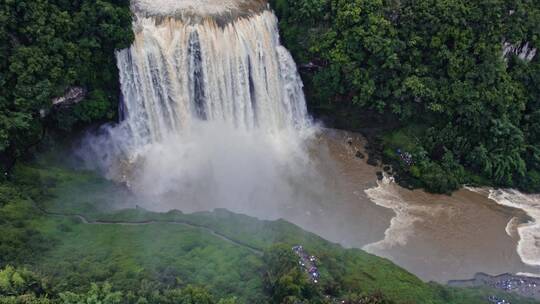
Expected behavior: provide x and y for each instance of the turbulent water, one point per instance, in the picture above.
(529, 232)
(198, 9)
(441, 237)
(214, 117)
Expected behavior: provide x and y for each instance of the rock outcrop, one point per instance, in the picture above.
(73, 95)
(524, 50)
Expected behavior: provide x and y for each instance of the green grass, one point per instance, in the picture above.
(69, 191)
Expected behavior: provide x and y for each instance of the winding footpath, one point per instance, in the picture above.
(87, 221)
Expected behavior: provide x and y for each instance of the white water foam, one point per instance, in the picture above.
(387, 195)
(529, 244)
(201, 7)
(526, 274)
(511, 227)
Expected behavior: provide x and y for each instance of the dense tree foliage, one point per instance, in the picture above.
(285, 280)
(19, 240)
(437, 67)
(23, 286)
(15, 282)
(47, 46)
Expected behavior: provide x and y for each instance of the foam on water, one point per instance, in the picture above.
(511, 228)
(526, 274)
(401, 228)
(528, 247)
(201, 7)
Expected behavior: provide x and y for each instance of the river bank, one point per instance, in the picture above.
(212, 248)
(437, 237)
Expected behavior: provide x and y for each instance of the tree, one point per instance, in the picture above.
(432, 65)
(98, 294)
(284, 279)
(14, 282)
(47, 47)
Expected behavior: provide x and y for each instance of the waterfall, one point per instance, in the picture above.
(209, 109)
(177, 72)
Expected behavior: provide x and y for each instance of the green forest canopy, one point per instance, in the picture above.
(47, 46)
(468, 113)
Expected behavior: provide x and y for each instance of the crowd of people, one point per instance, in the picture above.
(497, 300)
(521, 284)
(509, 283)
(529, 287)
(406, 157)
(308, 263)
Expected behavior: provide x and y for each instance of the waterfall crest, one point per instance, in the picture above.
(196, 10)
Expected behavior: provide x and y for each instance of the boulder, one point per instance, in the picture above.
(372, 162)
(360, 155)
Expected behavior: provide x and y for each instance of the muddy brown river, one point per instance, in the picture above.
(437, 237)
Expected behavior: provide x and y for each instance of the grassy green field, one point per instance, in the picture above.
(92, 242)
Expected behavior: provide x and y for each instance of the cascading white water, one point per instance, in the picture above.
(212, 112)
(177, 72)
